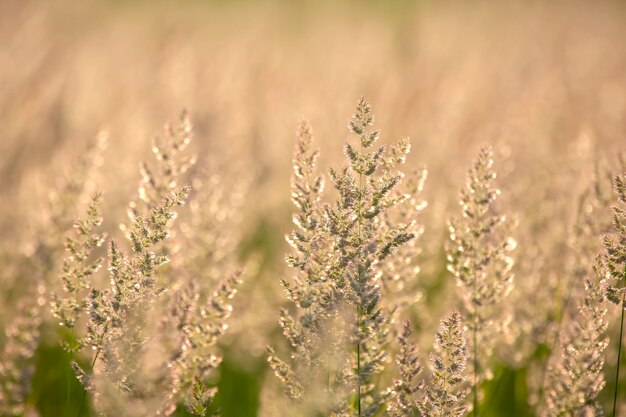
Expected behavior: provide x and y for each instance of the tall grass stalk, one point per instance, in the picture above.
(478, 257)
(615, 245)
(82, 398)
(619, 357)
(358, 307)
(475, 359)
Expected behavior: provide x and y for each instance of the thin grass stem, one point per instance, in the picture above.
(619, 357)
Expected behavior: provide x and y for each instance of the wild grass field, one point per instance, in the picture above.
(277, 208)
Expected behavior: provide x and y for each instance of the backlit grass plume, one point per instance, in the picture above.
(117, 330)
(65, 197)
(340, 330)
(402, 400)
(201, 321)
(615, 245)
(30, 278)
(207, 278)
(162, 177)
(575, 379)
(121, 329)
(79, 268)
(400, 272)
(153, 331)
(573, 290)
(445, 394)
(478, 256)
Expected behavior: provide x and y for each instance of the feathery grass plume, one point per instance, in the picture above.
(41, 256)
(149, 362)
(575, 379)
(201, 323)
(445, 394)
(616, 264)
(64, 198)
(120, 319)
(591, 220)
(591, 223)
(340, 253)
(200, 298)
(402, 395)
(570, 288)
(399, 272)
(207, 279)
(16, 366)
(211, 233)
(78, 269)
(311, 289)
(172, 163)
(616, 245)
(478, 256)
(116, 330)
(370, 244)
(306, 189)
(44, 263)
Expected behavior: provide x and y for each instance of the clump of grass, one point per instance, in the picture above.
(153, 337)
(116, 329)
(575, 380)
(146, 341)
(340, 253)
(33, 284)
(574, 287)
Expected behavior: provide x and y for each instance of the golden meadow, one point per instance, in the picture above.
(274, 208)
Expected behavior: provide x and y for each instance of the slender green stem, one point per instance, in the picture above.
(475, 336)
(561, 309)
(358, 364)
(358, 307)
(68, 377)
(619, 357)
(475, 347)
(493, 395)
(82, 400)
(93, 363)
